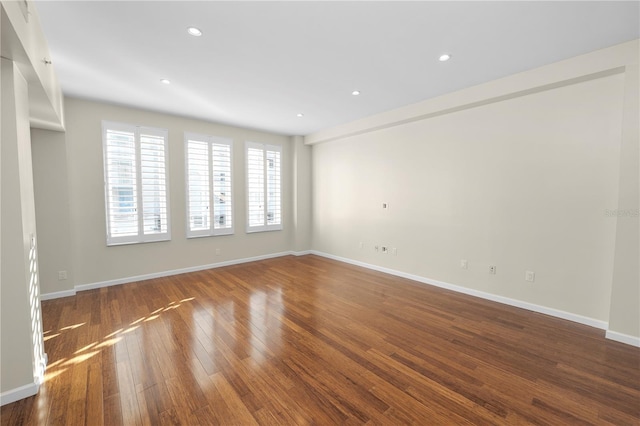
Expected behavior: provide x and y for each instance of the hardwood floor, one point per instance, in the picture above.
(308, 340)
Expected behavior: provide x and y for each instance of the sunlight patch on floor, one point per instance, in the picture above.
(51, 336)
(89, 346)
(90, 350)
(72, 327)
(80, 358)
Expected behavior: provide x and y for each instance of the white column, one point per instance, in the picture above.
(21, 341)
(624, 314)
(301, 157)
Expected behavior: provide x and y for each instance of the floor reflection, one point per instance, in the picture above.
(265, 312)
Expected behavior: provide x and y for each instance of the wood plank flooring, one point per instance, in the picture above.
(307, 340)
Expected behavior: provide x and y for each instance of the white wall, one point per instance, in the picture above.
(91, 260)
(625, 300)
(23, 41)
(516, 173)
(30, 94)
(21, 345)
(301, 192)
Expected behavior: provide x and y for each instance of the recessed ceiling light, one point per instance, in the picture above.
(444, 57)
(355, 92)
(299, 114)
(194, 31)
(165, 81)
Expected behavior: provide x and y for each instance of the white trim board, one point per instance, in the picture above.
(481, 294)
(603, 325)
(118, 281)
(169, 273)
(623, 338)
(58, 294)
(18, 393)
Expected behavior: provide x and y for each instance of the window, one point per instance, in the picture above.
(208, 166)
(135, 176)
(264, 187)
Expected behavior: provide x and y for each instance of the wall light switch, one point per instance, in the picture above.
(464, 264)
(529, 276)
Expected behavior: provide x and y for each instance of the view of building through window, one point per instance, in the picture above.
(209, 184)
(264, 187)
(136, 190)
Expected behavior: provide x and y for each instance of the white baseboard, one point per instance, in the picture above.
(58, 294)
(108, 283)
(623, 338)
(603, 325)
(16, 394)
(477, 293)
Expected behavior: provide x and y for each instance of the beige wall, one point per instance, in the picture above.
(52, 209)
(301, 160)
(92, 261)
(517, 173)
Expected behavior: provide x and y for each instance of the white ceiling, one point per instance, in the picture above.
(258, 64)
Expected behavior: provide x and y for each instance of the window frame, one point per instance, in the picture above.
(140, 237)
(210, 141)
(265, 148)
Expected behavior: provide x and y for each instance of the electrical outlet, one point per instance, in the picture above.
(464, 264)
(217, 252)
(62, 275)
(529, 276)
(492, 269)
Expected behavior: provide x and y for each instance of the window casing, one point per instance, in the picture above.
(264, 187)
(135, 183)
(209, 174)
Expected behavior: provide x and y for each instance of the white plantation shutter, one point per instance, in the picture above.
(209, 183)
(255, 187)
(273, 187)
(136, 194)
(222, 200)
(154, 183)
(264, 187)
(121, 183)
(198, 193)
